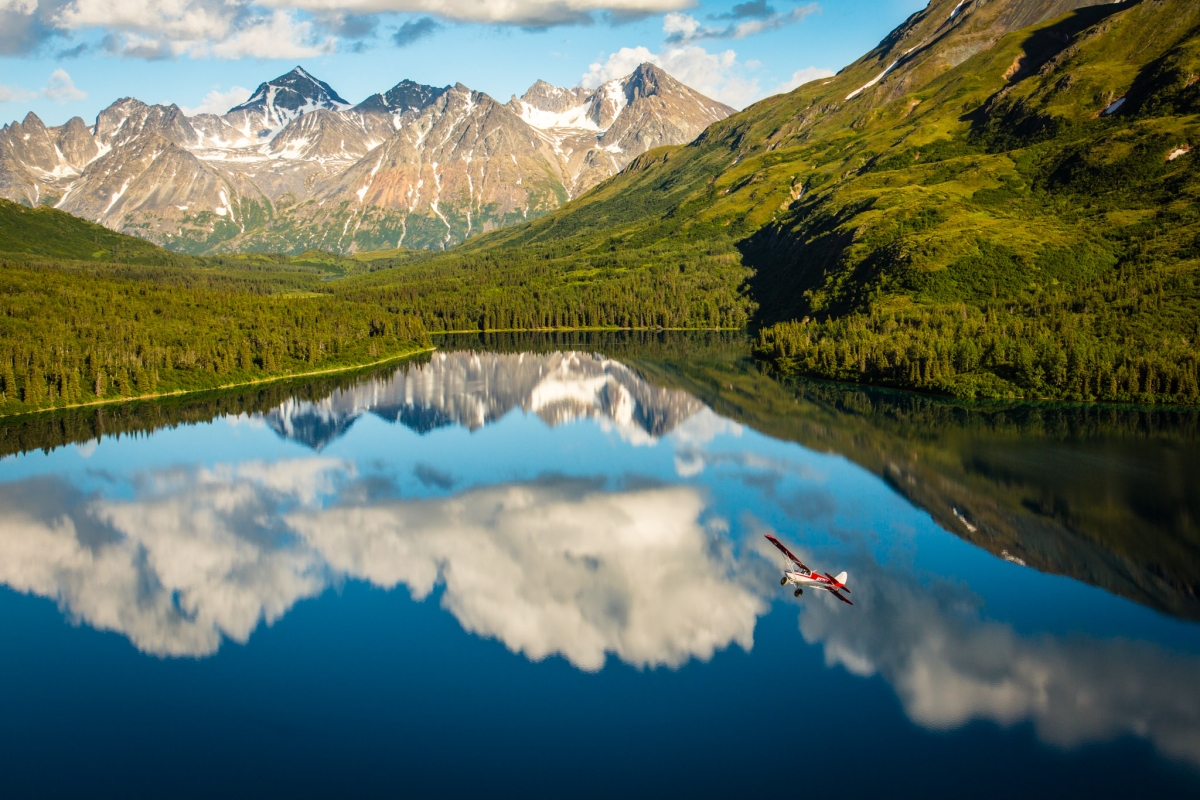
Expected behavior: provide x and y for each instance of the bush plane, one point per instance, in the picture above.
(803, 576)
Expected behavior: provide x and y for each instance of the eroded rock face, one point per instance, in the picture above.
(596, 134)
(296, 166)
(37, 163)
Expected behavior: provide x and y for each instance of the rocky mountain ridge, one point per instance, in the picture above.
(296, 166)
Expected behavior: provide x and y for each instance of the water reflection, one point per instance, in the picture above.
(950, 666)
(556, 567)
(471, 389)
(560, 566)
(653, 566)
(198, 555)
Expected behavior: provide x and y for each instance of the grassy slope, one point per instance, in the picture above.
(984, 201)
(49, 233)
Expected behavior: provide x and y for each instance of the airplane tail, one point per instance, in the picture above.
(841, 578)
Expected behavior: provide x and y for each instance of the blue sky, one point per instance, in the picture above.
(61, 58)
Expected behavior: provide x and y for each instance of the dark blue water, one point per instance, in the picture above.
(546, 574)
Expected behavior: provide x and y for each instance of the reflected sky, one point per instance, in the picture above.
(573, 512)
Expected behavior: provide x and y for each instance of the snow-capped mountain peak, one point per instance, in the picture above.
(277, 102)
(404, 96)
(595, 132)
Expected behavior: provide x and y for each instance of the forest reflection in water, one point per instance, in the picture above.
(645, 546)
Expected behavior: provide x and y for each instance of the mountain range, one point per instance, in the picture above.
(297, 167)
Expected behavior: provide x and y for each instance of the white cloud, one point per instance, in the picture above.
(801, 77)
(718, 75)
(683, 28)
(19, 6)
(515, 12)
(15, 94)
(274, 28)
(218, 102)
(196, 28)
(236, 28)
(61, 89)
(277, 36)
(187, 22)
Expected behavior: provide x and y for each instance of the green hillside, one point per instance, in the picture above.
(969, 225)
(48, 233)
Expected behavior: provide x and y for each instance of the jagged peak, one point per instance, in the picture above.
(647, 80)
(546, 96)
(407, 95)
(306, 88)
(75, 123)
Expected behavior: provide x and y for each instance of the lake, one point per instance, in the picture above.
(531, 565)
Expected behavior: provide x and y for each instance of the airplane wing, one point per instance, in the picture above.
(839, 597)
(786, 552)
(838, 584)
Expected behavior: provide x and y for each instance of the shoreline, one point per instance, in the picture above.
(332, 370)
(224, 387)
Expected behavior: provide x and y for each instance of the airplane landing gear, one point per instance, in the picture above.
(799, 592)
(783, 581)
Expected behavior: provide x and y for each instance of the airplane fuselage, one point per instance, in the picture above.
(801, 579)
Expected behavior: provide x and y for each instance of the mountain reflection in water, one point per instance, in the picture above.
(471, 389)
(651, 566)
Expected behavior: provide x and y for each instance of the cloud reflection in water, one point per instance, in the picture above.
(558, 567)
(950, 666)
(567, 567)
(554, 567)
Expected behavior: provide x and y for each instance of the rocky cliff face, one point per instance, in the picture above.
(37, 163)
(596, 134)
(296, 166)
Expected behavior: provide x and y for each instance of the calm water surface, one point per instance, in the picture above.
(527, 570)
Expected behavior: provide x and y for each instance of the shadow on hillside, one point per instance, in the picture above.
(1001, 124)
(795, 257)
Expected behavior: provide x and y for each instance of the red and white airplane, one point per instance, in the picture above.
(803, 576)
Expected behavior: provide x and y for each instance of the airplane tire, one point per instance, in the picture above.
(799, 592)
(783, 581)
